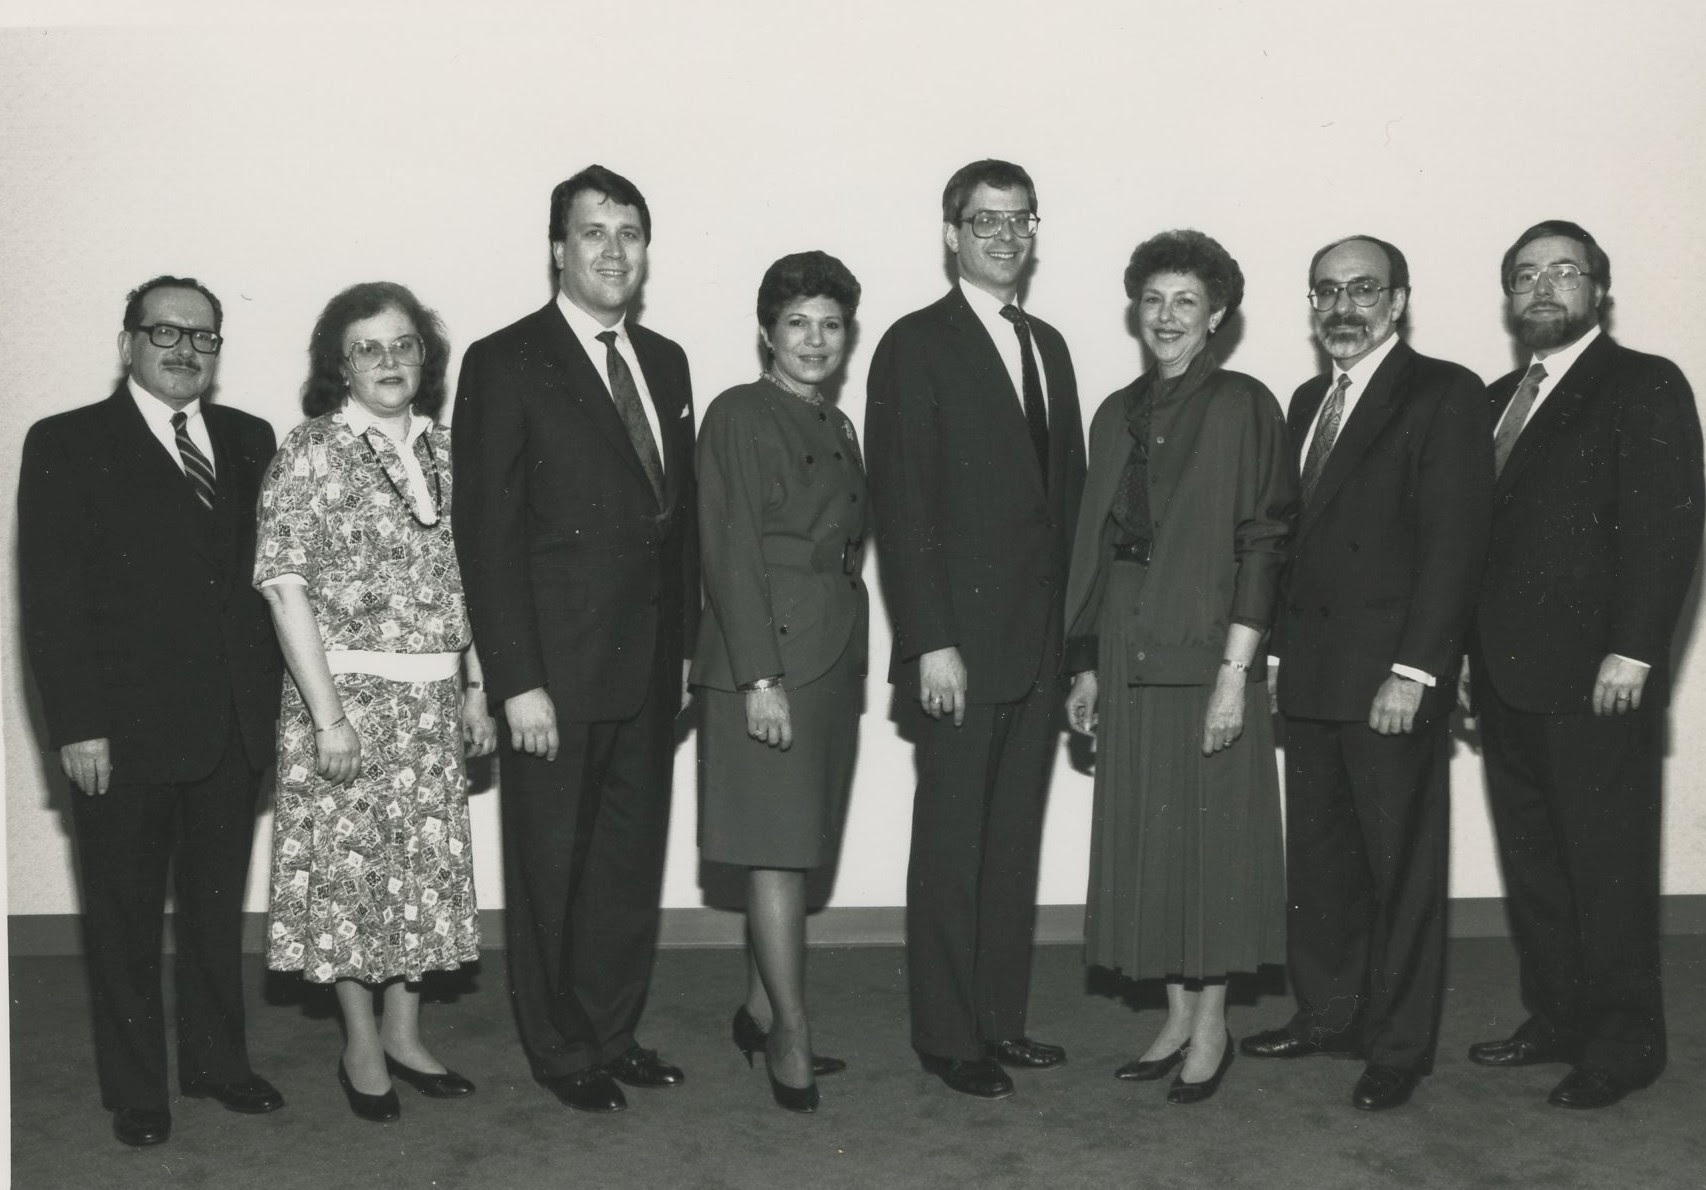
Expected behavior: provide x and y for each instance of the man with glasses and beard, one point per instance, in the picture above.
(1597, 518)
(1396, 472)
(159, 680)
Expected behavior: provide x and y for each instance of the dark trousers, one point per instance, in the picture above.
(971, 886)
(127, 838)
(1576, 803)
(1367, 847)
(584, 839)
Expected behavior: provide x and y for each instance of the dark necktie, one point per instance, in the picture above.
(196, 467)
(1326, 433)
(627, 398)
(1036, 413)
(1516, 416)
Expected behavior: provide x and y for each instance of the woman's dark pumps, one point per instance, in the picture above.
(1183, 1092)
(378, 1108)
(448, 1085)
(1144, 1071)
(749, 1038)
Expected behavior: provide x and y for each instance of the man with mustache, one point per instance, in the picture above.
(159, 680)
(1597, 516)
(1396, 472)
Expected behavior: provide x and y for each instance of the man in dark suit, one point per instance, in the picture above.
(1396, 473)
(1596, 529)
(976, 467)
(577, 534)
(159, 680)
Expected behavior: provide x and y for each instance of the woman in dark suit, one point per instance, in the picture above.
(781, 657)
(1188, 505)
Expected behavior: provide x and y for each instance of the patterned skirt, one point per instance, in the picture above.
(374, 879)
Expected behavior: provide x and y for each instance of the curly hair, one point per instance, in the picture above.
(1192, 252)
(806, 275)
(325, 388)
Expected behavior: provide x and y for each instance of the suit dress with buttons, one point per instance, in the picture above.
(1186, 853)
(781, 520)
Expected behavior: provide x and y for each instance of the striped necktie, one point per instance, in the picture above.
(196, 467)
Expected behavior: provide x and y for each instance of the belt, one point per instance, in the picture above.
(1133, 551)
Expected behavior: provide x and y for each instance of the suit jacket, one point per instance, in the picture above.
(1596, 530)
(782, 502)
(1388, 553)
(139, 618)
(576, 580)
(974, 541)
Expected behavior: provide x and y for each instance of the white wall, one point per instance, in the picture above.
(281, 161)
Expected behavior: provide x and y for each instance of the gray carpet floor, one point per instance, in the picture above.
(884, 1122)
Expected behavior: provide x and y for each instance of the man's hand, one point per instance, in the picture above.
(1618, 687)
(1224, 721)
(767, 718)
(942, 684)
(479, 729)
(1081, 704)
(686, 690)
(1395, 705)
(89, 764)
(532, 723)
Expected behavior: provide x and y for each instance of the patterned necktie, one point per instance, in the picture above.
(196, 467)
(1326, 433)
(1516, 416)
(1036, 414)
(627, 398)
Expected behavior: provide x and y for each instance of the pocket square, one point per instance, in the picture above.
(687, 411)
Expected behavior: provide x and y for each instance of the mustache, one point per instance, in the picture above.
(1345, 322)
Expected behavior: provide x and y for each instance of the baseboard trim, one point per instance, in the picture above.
(46, 934)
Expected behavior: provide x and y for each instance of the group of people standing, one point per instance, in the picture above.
(1401, 537)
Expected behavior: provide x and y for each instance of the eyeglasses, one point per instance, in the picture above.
(1364, 292)
(1559, 275)
(408, 351)
(988, 224)
(164, 334)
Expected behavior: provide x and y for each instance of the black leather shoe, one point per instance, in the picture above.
(380, 1109)
(588, 1090)
(1025, 1054)
(1182, 1092)
(139, 1128)
(980, 1077)
(643, 1068)
(1279, 1043)
(1586, 1089)
(448, 1085)
(1139, 1071)
(1381, 1087)
(254, 1095)
(750, 1036)
(1514, 1051)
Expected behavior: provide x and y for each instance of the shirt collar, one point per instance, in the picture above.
(586, 328)
(1364, 368)
(1563, 359)
(360, 421)
(155, 411)
(986, 306)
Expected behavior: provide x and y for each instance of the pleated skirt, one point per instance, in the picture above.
(1187, 875)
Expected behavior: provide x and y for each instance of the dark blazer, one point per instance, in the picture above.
(1223, 502)
(1596, 529)
(974, 542)
(575, 577)
(1388, 553)
(139, 618)
(782, 502)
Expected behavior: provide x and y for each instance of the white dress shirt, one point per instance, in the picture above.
(586, 328)
(987, 307)
(158, 415)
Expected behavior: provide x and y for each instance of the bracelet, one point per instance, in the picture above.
(1236, 666)
(760, 684)
(338, 722)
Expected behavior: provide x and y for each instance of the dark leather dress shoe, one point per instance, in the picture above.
(643, 1068)
(588, 1090)
(253, 1096)
(1381, 1087)
(1025, 1054)
(979, 1077)
(1140, 1071)
(1514, 1051)
(140, 1128)
(1585, 1089)
(448, 1085)
(1279, 1043)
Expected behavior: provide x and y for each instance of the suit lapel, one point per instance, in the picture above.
(585, 386)
(1004, 413)
(1373, 410)
(1560, 408)
(154, 478)
(227, 491)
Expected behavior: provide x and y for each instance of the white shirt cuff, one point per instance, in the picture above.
(1632, 661)
(1415, 675)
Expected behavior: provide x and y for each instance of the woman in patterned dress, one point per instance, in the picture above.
(372, 881)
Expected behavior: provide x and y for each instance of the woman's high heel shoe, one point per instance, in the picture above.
(378, 1108)
(1141, 1071)
(1184, 1092)
(448, 1085)
(749, 1038)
